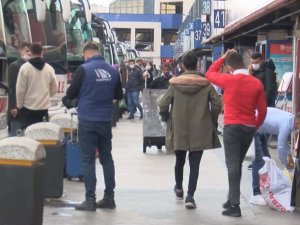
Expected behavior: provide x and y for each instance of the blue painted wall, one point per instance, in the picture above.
(166, 51)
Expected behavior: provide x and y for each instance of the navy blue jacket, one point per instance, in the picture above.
(95, 84)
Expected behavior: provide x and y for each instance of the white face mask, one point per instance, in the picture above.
(148, 67)
(131, 66)
(255, 66)
(26, 57)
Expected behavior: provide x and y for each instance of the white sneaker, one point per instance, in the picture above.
(257, 200)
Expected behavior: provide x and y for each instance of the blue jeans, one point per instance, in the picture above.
(261, 150)
(134, 102)
(91, 135)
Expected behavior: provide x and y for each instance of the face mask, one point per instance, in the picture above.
(26, 57)
(255, 66)
(148, 67)
(131, 66)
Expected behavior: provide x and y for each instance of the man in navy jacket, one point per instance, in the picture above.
(95, 84)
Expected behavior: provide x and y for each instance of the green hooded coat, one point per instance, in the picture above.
(195, 110)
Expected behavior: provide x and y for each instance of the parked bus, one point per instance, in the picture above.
(109, 40)
(79, 32)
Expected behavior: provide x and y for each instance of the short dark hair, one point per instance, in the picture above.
(256, 55)
(235, 60)
(36, 48)
(25, 45)
(190, 60)
(131, 60)
(91, 46)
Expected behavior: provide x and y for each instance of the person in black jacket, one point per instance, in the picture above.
(14, 121)
(265, 72)
(162, 82)
(133, 87)
(95, 84)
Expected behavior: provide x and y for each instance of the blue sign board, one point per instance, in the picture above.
(206, 29)
(197, 33)
(219, 18)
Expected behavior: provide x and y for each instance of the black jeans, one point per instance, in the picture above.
(29, 117)
(194, 159)
(237, 139)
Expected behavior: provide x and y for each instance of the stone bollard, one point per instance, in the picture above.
(21, 178)
(51, 136)
(66, 121)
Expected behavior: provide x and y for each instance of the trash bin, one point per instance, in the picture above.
(154, 130)
(22, 179)
(51, 136)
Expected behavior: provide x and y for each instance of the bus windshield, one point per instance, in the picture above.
(78, 33)
(51, 34)
(16, 26)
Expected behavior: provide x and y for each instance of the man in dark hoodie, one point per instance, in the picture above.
(36, 83)
(195, 111)
(264, 71)
(133, 88)
(14, 119)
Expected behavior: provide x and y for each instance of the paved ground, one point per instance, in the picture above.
(144, 193)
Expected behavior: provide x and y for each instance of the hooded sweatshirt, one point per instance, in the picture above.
(36, 83)
(195, 110)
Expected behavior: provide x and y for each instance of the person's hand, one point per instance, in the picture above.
(290, 162)
(250, 68)
(227, 53)
(14, 112)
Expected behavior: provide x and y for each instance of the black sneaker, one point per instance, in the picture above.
(190, 202)
(106, 203)
(226, 205)
(86, 206)
(233, 211)
(179, 194)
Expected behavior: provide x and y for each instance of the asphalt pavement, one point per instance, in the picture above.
(144, 190)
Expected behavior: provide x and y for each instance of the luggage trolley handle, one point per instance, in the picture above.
(72, 130)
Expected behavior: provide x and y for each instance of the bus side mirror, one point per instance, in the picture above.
(40, 10)
(66, 10)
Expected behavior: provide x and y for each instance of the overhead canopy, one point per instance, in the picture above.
(275, 15)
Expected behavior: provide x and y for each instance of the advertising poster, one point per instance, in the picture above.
(282, 55)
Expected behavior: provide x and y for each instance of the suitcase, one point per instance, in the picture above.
(73, 157)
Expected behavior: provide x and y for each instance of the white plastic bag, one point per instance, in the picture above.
(275, 187)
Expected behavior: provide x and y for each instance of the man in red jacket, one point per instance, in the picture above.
(243, 95)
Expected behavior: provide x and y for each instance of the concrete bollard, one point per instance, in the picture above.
(51, 136)
(65, 120)
(21, 177)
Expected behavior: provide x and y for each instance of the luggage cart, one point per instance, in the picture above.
(154, 130)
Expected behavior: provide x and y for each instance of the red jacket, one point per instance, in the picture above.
(243, 95)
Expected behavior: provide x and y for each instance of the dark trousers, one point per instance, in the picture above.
(92, 135)
(237, 139)
(194, 160)
(29, 117)
(261, 150)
